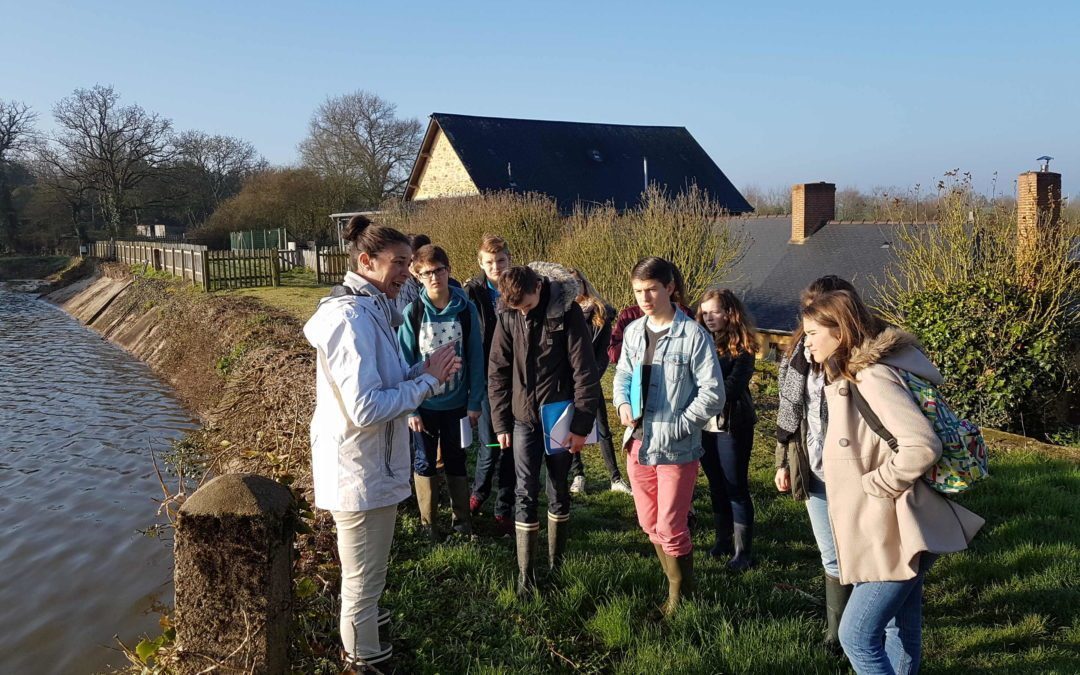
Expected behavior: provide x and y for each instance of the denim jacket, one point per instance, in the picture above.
(686, 388)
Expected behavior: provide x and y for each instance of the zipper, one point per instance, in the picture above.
(389, 449)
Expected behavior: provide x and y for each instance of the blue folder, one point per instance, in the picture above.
(560, 414)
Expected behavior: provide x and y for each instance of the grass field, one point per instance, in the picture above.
(1011, 604)
(298, 293)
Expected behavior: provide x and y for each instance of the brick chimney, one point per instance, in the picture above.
(812, 205)
(1038, 208)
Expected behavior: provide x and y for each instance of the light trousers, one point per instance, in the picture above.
(364, 539)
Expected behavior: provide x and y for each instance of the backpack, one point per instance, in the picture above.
(964, 458)
(464, 317)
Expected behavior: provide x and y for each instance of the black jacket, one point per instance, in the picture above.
(739, 409)
(545, 357)
(480, 294)
(601, 337)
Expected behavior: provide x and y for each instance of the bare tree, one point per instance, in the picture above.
(16, 134)
(357, 141)
(111, 147)
(222, 162)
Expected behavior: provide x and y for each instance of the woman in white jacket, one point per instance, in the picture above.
(359, 433)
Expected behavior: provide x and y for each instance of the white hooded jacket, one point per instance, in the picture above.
(364, 393)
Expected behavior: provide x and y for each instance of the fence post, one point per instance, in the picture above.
(275, 267)
(204, 256)
(232, 576)
(318, 266)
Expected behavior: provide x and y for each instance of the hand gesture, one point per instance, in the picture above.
(626, 415)
(443, 363)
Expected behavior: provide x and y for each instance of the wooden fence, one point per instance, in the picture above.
(243, 269)
(211, 270)
(331, 263)
(187, 261)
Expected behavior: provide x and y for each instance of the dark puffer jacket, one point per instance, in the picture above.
(544, 357)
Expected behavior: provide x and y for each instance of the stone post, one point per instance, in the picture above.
(232, 575)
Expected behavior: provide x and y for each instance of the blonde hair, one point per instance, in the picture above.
(739, 336)
(493, 244)
(588, 297)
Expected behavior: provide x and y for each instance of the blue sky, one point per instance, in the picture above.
(863, 94)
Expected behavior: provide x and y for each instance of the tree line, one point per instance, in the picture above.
(107, 166)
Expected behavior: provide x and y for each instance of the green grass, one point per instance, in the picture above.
(31, 266)
(298, 293)
(1011, 604)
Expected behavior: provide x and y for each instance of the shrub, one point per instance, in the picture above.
(689, 229)
(1004, 333)
(530, 222)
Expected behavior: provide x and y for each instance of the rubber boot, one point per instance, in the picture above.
(525, 534)
(836, 598)
(427, 498)
(558, 530)
(723, 525)
(680, 574)
(743, 540)
(459, 503)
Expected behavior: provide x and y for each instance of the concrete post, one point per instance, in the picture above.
(233, 548)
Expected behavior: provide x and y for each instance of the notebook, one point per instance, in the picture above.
(555, 419)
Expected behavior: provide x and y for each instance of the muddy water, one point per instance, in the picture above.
(77, 416)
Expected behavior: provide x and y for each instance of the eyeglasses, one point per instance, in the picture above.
(431, 274)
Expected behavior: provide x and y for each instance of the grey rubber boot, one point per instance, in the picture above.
(525, 540)
(743, 541)
(558, 530)
(836, 599)
(427, 498)
(459, 503)
(723, 546)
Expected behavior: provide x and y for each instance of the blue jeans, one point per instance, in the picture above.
(817, 506)
(492, 461)
(881, 631)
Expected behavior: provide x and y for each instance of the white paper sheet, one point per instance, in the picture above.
(466, 432)
(561, 429)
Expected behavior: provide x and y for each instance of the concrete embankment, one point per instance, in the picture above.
(242, 367)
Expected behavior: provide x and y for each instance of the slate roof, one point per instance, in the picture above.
(774, 271)
(575, 161)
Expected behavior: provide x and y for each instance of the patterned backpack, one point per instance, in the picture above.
(964, 458)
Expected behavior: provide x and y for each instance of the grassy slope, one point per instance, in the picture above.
(31, 267)
(1011, 604)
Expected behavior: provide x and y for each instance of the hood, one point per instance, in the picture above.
(896, 348)
(564, 286)
(345, 302)
(458, 298)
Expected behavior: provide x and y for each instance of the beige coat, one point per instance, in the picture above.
(883, 514)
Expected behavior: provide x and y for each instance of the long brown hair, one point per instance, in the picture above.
(588, 297)
(825, 284)
(850, 322)
(739, 336)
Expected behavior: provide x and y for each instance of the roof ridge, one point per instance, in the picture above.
(526, 119)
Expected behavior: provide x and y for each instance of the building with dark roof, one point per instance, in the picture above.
(571, 162)
(785, 253)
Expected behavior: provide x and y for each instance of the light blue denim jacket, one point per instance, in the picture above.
(686, 388)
